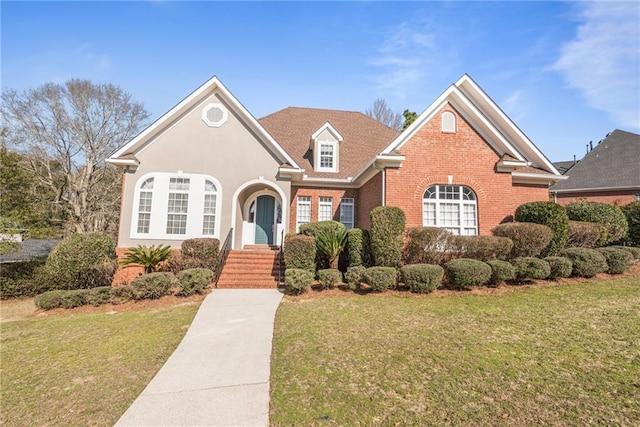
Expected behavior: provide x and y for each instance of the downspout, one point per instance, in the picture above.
(384, 181)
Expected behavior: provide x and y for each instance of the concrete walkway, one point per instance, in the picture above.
(219, 374)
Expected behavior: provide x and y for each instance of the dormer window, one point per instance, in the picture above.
(325, 145)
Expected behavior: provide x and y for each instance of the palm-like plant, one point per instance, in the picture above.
(331, 243)
(147, 256)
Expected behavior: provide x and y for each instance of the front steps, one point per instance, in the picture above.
(255, 267)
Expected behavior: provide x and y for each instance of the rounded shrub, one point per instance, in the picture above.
(61, 299)
(422, 278)
(427, 245)
(560, 267)
(387, 230)
(353, 276)
(200, 253)
(153, 285)
(634, 251)
(300, 252)
(81, 261)
(358, 247)
(529, 239)
(618, 260)
(380, 278)
(631, 212)
(501, 271)
(585, 234)
(194, 281)
(297, 280)
(313, 228)
(586, 262)
(550, 214)
(528, 268)
(610, 216)
(483, 248)
(464, 273)
(98, 296)
(329, 277)
(121, 294)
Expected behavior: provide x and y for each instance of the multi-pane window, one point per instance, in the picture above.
(347, 212)
(453, 207)
(144, 206)
(325, 209)
(178, 207)
(326, 156)
(304, 211)
(209, 214)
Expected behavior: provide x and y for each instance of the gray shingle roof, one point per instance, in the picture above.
(563, 167)
(613, 164)
(31, 248)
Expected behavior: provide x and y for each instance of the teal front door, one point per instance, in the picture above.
(265, 206)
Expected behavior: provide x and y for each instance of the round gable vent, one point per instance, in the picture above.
(214, 115)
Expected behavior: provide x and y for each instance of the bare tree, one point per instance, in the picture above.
(67, 131)
(381, 112)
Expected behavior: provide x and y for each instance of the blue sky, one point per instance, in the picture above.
(565, 72)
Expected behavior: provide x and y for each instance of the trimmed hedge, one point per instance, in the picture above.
(387, 229)
(380, 278)
(618, 260)
(550, 214)
(358, 247)
(529, 239)
(427, 245)
(297, 280)
(300, 252)
(610, 216)
(80, 261)
(501, 271)
(560, 267)
(635, 252)
(18, 279)
(194, 281)
(61, 299)
(631, 212)
(483, 248)
(153, 285)
(422, 278)
(584, 234)
(464, 273)
(353, 276)
(586, 262)
(329, 277)
(200, 253)
(122, 294)
(98, 296)
(531, 268)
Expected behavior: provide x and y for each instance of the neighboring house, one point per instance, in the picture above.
(30, 249)
(609, 173)
(208, 168)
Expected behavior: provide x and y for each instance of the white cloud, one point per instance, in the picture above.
(603, 61)
(516, 105)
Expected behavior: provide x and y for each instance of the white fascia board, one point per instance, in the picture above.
(327, 126)
(381, 161)
(122, 162)
(524, 177)
(587, 190)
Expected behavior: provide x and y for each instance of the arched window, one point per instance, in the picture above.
(145, 199)
(448, 122)
(453, 207)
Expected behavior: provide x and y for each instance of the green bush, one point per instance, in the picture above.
(618, 260)
(501, 271)
(17, 279)
(550, 214)
(200, 253)
(380, 278)
(584, 234)
(387, 229)
(98, 296)
(427, 245)
(586, 262)
(358, 247)
(464, 273)
(194, 281)
(149, 257)
(122, 294)
(81, 261)
(74, 298)
(529, 239)
(635, 252)
(531, 268)
(422, 278)
(610, 216)
(631, 212)
(560, 267)
(353, 276)
(153, 285)
(297, 280)
(61, 299)
(483, 248)
(329, 277)
(313, 228)
(300, 252)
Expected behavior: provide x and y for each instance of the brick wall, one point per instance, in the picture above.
(619, 198)
(125, 274)
(370, 196)
(433, 157)
(315, 194)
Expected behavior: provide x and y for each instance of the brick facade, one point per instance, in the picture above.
(460, 158)
(618, 198)
(315, 194)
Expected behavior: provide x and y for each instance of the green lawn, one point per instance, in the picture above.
(83, 369)
(559, 355)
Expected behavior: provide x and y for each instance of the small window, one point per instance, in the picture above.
(209, 214)
(325, 209)
(448, 122)
(304, 211)
(326, 156)
(144, 206)
(214, 115)
(347, 212)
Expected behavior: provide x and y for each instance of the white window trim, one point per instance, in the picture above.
(461, 204)
(348, 201)
(318, 154)
(223, 119)
(159, 203)
(322, 204)
(309, 202)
